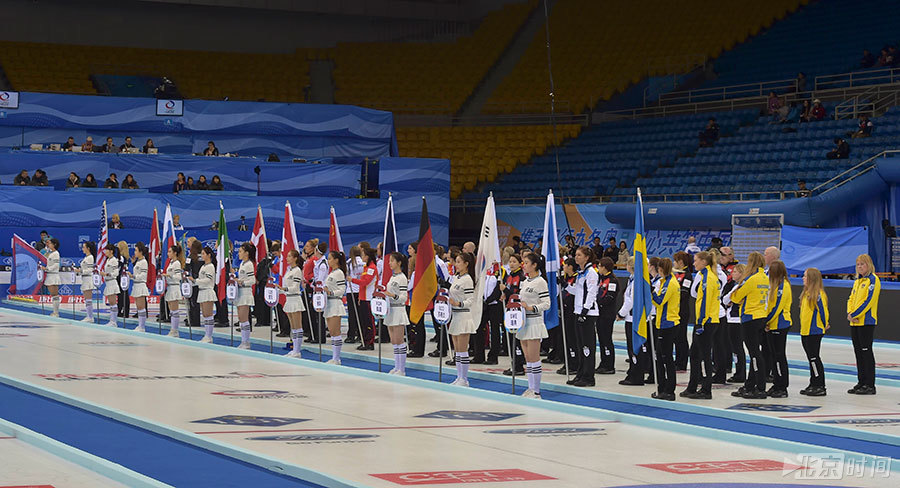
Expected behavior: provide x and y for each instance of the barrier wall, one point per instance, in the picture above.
(156, 173)
(250, 128)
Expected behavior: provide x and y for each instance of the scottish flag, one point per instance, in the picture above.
(550, 250)
(641, 287)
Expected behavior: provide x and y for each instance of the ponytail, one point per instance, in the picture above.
(404, 262)
(539, 261)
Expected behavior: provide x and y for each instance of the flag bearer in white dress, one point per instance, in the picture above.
(335, 288)
(246, 278)
(51, 274)
(462, 325)
(174, 275)
(534, 295)
(292, 286)
(206, 295)
(396, 321)
(139, 289)
(86, 271)
(111, 290)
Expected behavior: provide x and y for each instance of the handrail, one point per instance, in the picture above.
(416, 120)
(856, 78)
(854, 168)
(726, 92)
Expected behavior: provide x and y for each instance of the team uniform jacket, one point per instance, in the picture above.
(863, 302)
(813, 320)
(667, 297)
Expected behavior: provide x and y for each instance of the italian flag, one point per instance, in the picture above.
(223, 251)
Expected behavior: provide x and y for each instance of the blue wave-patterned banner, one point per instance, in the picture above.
(156, 173)
(26, 211)
(414, 174)
(256, 128)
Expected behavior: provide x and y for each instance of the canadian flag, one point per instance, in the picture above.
(288, 238)
(334, 235)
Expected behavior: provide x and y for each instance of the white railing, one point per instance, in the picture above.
(746, 90)
(852, 173)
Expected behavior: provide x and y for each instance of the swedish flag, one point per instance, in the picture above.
(641, 287)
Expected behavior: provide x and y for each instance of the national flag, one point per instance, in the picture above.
(26, 260)
(288, 238)
(103, 241)
(258, 238)
(153, 258)
(550, 250)
(223, 251)
(334, 235)
(168, 236)
(389, 242)
(640, 311)
(487, 262)
(425, 283)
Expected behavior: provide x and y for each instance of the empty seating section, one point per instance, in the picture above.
(600, 48)
(198, 74)
(480, 154)
(433, 77)
(825, 37)
(762, 159)
(610, 155)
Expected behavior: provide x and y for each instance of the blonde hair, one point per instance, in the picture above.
(755, 261)
(739, 268)
(507, 252)
(870, 266)
(716, 256)
(813, 287)
(777, 275)
(707, 258)
(123, 249)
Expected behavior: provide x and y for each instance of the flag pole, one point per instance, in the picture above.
(562, 313)
(651, 330)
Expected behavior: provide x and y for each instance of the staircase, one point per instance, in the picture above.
(507, 61)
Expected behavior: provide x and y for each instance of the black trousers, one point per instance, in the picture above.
(812, 344)
(682, 348)
(862, 337)
(637, 363)
(123, 304)
(665, 363)
(316, 321)
(367, 322)
(353, 325)
(492, 316)
(416, 334)
(556, 344)
(587, 348)
(778, 348)
(261, 310)
(766, 352)
(701, 359)
(604, 336)
(573, 341)
(284, 323)
(736, 336)
(305, 316)
(756, 378)
(194, 309)
(721, 350)
(440, 330)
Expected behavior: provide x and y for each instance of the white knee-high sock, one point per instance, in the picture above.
(56, 301)
(336, 343)
(456, 359)
(113, 311)
(245, 332)
(529, 376)
(142, 317)
(402, 354)
(175, 319)
(208, 325)
(463, 359)
(297, 339)
(89, 309)
(534, 376)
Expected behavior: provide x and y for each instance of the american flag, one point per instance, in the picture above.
(104, 239)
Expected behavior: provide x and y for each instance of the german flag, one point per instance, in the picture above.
(425, 284)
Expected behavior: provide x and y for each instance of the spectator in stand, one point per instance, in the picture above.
(201, 183)
(216, 184)
(865, 128)
(868, 60)
(518, 245)
(180, 184)
(818, 110)
(793, 114)
(147, 146)
(127, 145)
(612, 251)
(109, 147)
(773, 104)
(115, 222)
(802, 191)
(211, 149)
(571, 247)
(623, 255)
(894, 54)
(69, 144)
(39, 178)
(89, 181)
(801, 82)
(885, 60)
(112, 181)
(597, 248)
(73, 181)
(190, 184)
(176, 222)
(840, 151)
(692, 247)
(710, 134)
(88, 145)
(22, 179)
(129, 183)
(806, 112)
